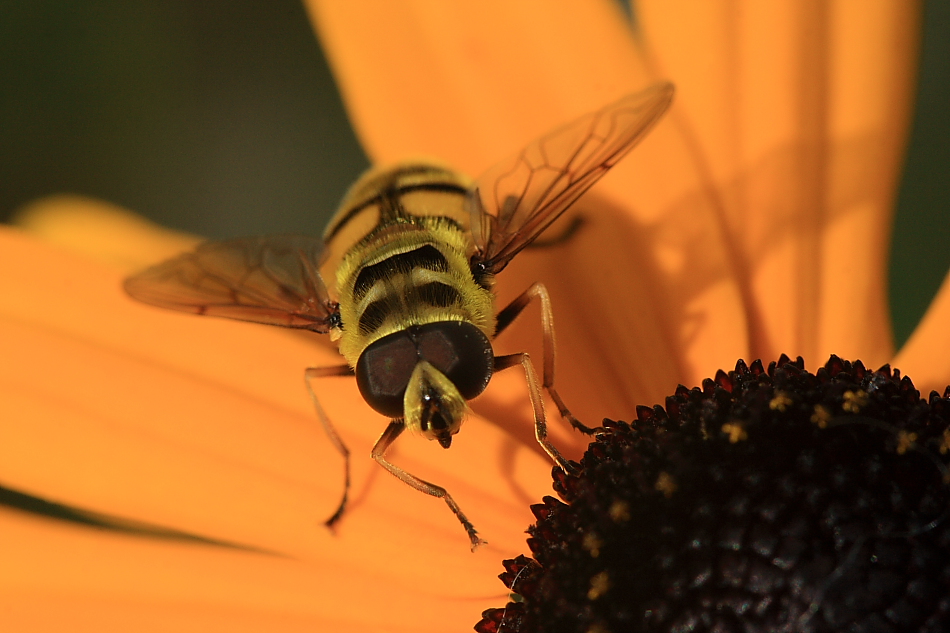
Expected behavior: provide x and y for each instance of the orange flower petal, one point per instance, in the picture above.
(204, 425)
(924, 356)
(644, 297)
(102, 231)
(62, 578)
(472, 82)
(799, 113)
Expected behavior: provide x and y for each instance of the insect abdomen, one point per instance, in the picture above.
(409, 264)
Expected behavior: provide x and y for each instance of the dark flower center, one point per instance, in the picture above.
(768, 500)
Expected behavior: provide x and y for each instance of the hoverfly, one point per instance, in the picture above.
(403, 277)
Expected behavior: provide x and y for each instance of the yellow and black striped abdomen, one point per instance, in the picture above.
(402, 245)
(393, 196)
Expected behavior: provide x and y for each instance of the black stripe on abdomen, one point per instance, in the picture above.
(386, 197)
(427, 257)
(433, 294)
(376, 313)
(437, 294)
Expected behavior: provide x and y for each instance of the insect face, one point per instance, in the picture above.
(426, 373)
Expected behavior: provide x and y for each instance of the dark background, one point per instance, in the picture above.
(220, 117)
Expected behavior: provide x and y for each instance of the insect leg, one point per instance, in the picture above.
(540, 426)
(395, 428)
(320, 372)
(549, 349)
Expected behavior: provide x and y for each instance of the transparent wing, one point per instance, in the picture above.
(518, 199)
(271, 280)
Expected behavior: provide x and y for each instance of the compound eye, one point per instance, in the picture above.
(383, 371)
(460, 351)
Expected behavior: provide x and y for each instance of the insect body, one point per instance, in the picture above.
(403, 276)
(418, 322)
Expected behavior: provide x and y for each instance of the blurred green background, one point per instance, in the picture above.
(220, 117)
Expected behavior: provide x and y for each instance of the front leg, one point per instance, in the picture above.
(548, 347)
(395, 428)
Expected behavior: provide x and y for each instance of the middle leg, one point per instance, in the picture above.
(548, 347)
(540, 424)
(330, 430)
